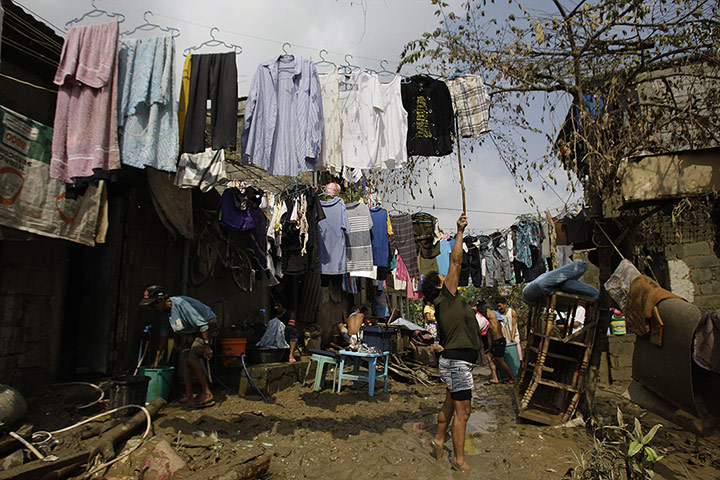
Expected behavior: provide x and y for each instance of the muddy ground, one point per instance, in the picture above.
(350, 436)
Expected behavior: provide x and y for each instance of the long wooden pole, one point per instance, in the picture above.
(462, 179)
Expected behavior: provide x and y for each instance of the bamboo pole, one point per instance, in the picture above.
(462, 179)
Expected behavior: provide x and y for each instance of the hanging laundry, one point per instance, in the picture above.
(172, 205)
(525, 236)
(576, 229)
(392, 152)
(362, 102)
(427, 234)
(474, 254)
(213, 77)
(443, 260)
(301, 249)
(471, 103)
(330, 157)
(359, 243)
(403, 240)
(380, 237)
(147, 122)
(333, 232)
(184, 97)
(85, 142)
(430, 116)
(283, 127)
(203, 170)
(501, 258)
(427, 265)
(238, 207)
(486, 254)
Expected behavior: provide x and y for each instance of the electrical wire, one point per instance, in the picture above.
(127, 452)
(458, 209)
(57, 29)
(82, 407)
(27, 83)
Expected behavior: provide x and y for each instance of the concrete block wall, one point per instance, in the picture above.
(619, 357)
(695, 273)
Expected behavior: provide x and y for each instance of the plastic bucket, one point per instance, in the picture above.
(232, 348)
(160, 382)
(128, 390)
(617, 326)
(512, 359)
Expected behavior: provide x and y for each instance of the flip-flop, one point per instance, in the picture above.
(209, 403)
(457, 467)
(438, 451)
(491, 383)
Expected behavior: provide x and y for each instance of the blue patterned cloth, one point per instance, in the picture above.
(525, 235)
(147, 121)
(283, 127)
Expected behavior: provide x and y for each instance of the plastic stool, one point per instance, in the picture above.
(322, 360)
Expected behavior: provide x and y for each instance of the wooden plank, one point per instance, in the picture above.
(562, 386)
(554, 355)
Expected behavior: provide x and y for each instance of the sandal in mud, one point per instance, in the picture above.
(457, 467)
(209, 403)
(437, 450)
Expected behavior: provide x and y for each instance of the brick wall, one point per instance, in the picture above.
(695, 273)
(616, 363)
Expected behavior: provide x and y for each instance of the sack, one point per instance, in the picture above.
(422, 338)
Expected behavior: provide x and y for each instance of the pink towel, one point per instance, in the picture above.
(85, 131)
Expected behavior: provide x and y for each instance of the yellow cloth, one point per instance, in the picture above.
(184, 97)
(389, 225)
(429, 309)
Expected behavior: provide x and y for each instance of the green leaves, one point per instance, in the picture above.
(634, 448)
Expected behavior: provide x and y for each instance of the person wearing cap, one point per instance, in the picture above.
(196, 324)
(458, 334)
(291, 332)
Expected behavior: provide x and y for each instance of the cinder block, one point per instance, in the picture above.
(707, 301)
(698, 248)
(700, 275)
(710, 288)
(702, 261)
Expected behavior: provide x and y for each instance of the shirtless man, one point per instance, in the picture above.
(497, 345)
(354, 322)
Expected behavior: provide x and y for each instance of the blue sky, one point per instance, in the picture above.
(369, 30)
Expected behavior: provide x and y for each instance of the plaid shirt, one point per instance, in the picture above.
(472, 104)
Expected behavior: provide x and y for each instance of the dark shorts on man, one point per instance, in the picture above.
(193, 345)
(497, 348)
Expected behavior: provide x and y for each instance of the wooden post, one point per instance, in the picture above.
(462, 179)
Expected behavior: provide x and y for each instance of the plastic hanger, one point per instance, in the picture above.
(96, 12)
(323, 61)
(174, 32)
(213, 42)
(348, 67)
(286, 56)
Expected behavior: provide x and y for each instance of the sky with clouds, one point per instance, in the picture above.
(370, 31)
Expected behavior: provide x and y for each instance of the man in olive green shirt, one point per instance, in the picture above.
(457, 331)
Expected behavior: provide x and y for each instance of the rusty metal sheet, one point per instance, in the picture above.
(668, 370)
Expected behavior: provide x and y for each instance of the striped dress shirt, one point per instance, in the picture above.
(283, 127)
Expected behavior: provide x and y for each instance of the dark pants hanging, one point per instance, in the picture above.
(214, 77)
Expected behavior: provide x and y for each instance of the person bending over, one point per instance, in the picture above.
(354, 322)
(457, 331)
(196, 324)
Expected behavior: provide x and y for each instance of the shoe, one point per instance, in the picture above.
(292, 360)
